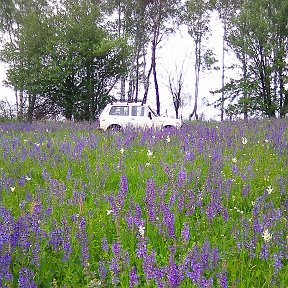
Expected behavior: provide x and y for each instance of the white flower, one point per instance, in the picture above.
(12, 189)
(266, 235)
(266, 140)
(269, 190)
(122, 150)
(149, 153)
(234, 160)
(147, 164)
(244, 140)
(27, 178)
(109, 212)
(168, 139)
(141, 230)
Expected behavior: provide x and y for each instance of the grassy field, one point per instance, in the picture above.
(202, 206)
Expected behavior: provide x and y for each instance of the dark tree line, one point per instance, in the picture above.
(72, 57)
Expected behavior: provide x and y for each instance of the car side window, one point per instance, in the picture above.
(138, 111)
(119, 111)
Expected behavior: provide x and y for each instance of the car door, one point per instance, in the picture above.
(139, 117)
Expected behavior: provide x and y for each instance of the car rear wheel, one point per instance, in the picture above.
(114, 127)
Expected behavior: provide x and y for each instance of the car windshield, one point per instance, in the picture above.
(152, 111)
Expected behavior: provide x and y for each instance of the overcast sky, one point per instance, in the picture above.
(175, 50)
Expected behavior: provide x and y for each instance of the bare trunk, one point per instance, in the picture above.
(223, 69)
(147, 85)
(31, 107)
(245, 94)
(197, 77)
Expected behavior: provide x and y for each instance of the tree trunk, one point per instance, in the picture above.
(245, 94)
(197, 76)
(31, 107)
(223, 68)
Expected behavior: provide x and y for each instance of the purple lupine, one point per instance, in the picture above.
(206, 283)
(277, 262)
(190, 203)
(214, 257)
(82, 237)
(168, 220)
(185, 232)
(66, 242)
(105, 246)
(264, 253)
(205, 252)
(115, 270)
(26, 278)
(159, 274)
(222, 279)
(116, 248)
(5, 263)
(150, 199)
(181, 178)
(173, 274)
(102, 271)
(56, 238)
(122, 191)
(149, 263)
(196, 273)
(141, 247)
(133, 277)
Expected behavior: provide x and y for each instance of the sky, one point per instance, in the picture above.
(175, 51)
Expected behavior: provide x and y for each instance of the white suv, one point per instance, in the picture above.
(121, 114)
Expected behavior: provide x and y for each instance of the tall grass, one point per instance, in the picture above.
(202, 206)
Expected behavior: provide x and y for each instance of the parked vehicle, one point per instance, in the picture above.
(119, 115)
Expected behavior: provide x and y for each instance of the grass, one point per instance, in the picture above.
(185, 208)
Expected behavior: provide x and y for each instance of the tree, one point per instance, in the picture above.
(197, 18)
(69, 62)
(176, 86)
(13, 13)
(226, 9)
(160, 15)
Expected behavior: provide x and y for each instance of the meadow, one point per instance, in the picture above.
(202, 206)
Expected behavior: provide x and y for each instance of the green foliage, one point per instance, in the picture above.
(66, 61)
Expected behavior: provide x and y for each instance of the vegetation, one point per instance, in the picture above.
(72, 57)
(203, 206)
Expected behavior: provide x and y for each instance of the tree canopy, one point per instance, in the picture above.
(72, 57)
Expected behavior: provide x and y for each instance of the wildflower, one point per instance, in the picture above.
(269, 190)
(12, 189)
(122, 150)
(27, 178)
(133, 277)
(141, 230)
(234, 160)
(244, 140)
(147, 164)
(266, 235)
(109, 212)
(185, 232)
(168, 139)
(149, 153)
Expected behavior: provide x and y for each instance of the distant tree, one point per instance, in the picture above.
(131, 23)
(161, 14)
(176, 88)
(12, 15)
(197, 17)
(69, 63)
(259, 43)
(226, 9)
